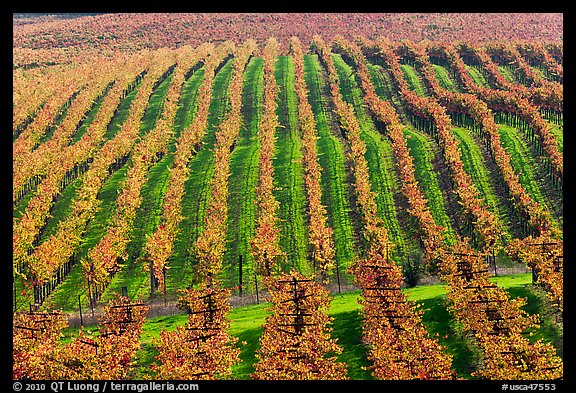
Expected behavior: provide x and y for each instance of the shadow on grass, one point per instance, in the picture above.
(441, 325)
(144, 358)
(548, 330)
(245, 367)
(348, 331)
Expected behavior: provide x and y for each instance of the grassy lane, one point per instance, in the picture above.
(475, 166)
(444, 78)
(20, 207)
(121, 115)
(383, 86)
(288, 172)
(243, 179)
(188, 105)
(558, 130)
(541, 70)
(379, 156)
(526, 166)
(247, 321)
(149, 213)
(477, 76)
(89, 119)
(66, 294)
(413, 79)
(508, 74)
(331, 157)
(197, 188)
(147, 218)
(61, 208)
(421, 150)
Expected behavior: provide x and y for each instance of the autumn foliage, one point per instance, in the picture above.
(264, 245)
(296, 342)
(65, 100)
(203, 348)
(89, 356)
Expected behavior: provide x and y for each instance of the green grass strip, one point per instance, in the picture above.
(243, 180)
(61, 208)
(525, 165)
(383, 86)
(444, 78)
(422, 155)
(475, 166)
(331, 157)
(89, 119)
(558, 130)
(507, 73)
(148, 217)
(288, 171)
(154, 111)
(543, 74)
(121, 115)
(187, 106)
(477, 76)
(379, 155)
(20, 207)
(197, 188)
(413, 79)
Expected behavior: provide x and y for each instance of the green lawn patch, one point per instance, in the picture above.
(422, 155)
(414, 82)
(444, 78)
(477, 76)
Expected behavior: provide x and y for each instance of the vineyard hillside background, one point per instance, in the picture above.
(288, 196)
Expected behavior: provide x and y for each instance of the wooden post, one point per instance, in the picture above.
(80, 308)
(164, 277)
(151, 280)
(124, 291)
(256, 286)
(240, 274)
(494, 261)
(91, 302)
(314, 260)
(338, 276)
